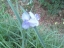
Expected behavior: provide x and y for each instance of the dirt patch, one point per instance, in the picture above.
(45, 17)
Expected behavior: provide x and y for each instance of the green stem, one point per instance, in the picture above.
(41, 40)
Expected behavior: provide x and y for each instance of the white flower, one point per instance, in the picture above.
(29, 20)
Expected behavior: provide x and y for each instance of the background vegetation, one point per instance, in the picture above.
(53, 6)
(12, 35)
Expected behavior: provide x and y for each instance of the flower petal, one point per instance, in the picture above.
(33, 22)
(25, 24)
(25, 16)
(37, 16)
(32, 15)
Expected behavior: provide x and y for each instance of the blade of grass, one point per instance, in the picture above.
(11, 32)
(17, 44)
(6, 44)
(16, 13)
(17, 5)
(61, 42)
(19, 20)
(31, 43)
(50, 34)
(3, 45)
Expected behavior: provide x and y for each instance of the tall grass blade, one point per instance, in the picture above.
(16, 13)
(19, 20)
(3, 45)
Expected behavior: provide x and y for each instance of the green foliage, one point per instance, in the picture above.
(12, 36)
(53, 6)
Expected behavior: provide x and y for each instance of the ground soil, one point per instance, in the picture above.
(47, 18)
